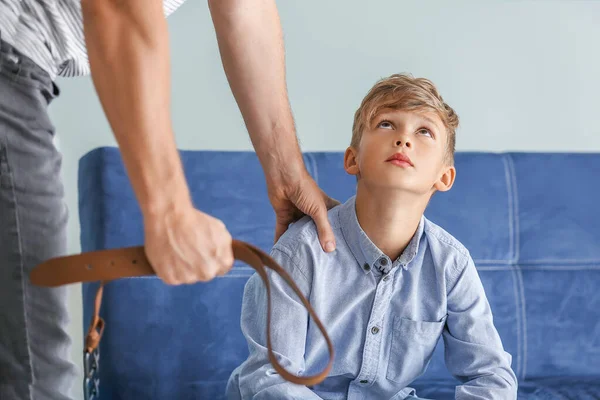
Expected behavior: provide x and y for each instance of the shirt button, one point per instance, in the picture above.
(374, 330)
(364, 381)
(383, 261)
(367, 267)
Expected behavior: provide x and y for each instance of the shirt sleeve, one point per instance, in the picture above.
(473, 348)
(257, 379)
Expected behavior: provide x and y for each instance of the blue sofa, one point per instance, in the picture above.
(530, 220)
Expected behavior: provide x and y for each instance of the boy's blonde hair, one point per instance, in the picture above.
(403, 92)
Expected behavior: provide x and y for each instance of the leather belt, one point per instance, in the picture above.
(107, 265)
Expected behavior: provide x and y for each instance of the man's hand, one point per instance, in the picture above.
(297, 197)
(187, 246)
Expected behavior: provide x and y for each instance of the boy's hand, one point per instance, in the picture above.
(296, 197)
(185, 245)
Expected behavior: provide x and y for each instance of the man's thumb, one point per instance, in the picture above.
(324, 230)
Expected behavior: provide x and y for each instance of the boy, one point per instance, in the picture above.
(396, 282)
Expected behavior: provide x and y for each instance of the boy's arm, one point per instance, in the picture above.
(474, 351)
(257, 378)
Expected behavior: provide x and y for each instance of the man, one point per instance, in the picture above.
(127, 45)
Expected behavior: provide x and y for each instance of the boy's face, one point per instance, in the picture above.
(403, 150)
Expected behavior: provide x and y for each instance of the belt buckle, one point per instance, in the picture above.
(91, 380)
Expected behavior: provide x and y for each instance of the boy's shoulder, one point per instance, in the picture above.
(303, 232)
(440, 239)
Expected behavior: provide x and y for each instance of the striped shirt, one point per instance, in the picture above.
(50, 32)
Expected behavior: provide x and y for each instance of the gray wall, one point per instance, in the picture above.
(522, 75)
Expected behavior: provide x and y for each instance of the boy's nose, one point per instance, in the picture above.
(406, 143)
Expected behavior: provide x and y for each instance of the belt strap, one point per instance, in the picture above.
(107, 265)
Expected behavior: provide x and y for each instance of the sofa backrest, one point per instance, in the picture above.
(530, 220)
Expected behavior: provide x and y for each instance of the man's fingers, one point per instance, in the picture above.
(227, 261)
(324, 230)
(331, 202)
(280, 229)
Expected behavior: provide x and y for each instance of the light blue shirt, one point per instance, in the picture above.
(384, 317)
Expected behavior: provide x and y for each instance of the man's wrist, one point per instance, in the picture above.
(282, 166)
(163, 188)
(166, 200)
(278, 150)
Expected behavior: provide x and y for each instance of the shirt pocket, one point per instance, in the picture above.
(413, 343)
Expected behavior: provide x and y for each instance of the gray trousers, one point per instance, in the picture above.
(34, 344)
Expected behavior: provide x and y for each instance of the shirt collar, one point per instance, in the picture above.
(368, 255)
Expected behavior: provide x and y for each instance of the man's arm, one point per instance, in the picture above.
(128, 48)
(474, 351)
(251, 45)
(256, 378)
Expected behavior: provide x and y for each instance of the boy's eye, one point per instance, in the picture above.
(385, 125)
(425, 132)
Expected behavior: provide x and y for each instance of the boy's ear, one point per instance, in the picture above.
(351, 162)
(445, 182)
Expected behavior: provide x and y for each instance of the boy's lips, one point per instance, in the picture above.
(400, 160)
